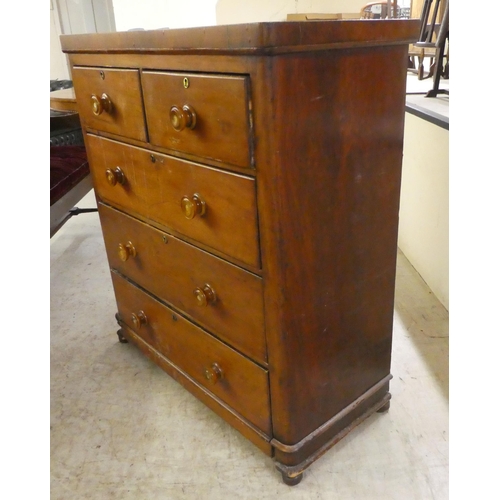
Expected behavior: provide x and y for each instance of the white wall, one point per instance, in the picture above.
(424, 211)
(155, 14)
(58, 62)
(71, 17)
(86, 16)
(243, 11)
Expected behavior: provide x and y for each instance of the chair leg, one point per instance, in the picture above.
(420, 72)
(77, 211)
(437, 75)
(432, 68)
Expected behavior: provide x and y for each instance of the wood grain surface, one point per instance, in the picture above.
(155, 185)
(172, 270)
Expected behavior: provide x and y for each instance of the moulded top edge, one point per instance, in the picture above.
(254, 38)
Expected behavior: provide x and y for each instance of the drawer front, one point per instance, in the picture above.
(157, 187)
(226, 373)
(200, 114)
(178, 273)
(120, 111)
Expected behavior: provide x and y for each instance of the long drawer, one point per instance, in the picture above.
(187, 277)
(230, 376)
(216, 208)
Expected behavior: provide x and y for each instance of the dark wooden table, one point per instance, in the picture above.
(63, 100)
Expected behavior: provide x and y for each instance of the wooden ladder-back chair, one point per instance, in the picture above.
(436, 36)
(432, 16)
(380, 10)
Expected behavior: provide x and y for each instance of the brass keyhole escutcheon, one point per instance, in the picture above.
(125, 251)
(205, 295)
(192, 206)
(115, 176)
(185, 82)
(139, 319)
(213, 373)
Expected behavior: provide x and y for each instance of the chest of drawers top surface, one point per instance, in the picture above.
(248, 182)
(253, 38)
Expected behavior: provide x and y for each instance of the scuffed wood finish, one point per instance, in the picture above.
(172, 270)
(155, 185)
(249, 431)
(122, 86)
(220, 102)
(255, 38)
(242, 384)
(337, 196)
(317, 112)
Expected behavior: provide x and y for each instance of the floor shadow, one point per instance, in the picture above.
(420, 316)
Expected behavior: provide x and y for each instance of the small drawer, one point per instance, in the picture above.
(221, 297)
(201, 114)
(207, 205)
(230, 376)
(110, 100)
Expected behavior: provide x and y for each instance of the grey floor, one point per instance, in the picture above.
(416, 90)
(123, 429)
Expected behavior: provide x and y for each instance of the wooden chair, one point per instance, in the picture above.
(436, 36)
(431, 19)
(379, 10)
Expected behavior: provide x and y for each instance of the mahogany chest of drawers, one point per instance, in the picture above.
(248, 183)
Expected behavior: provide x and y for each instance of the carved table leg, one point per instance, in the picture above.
(121, 338)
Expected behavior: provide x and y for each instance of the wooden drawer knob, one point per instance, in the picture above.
(192, 206)
(100, 104)
(115, 176)
(205, 295)
(213, 373)
(139, 319)
(182, 118)
(126, 250)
